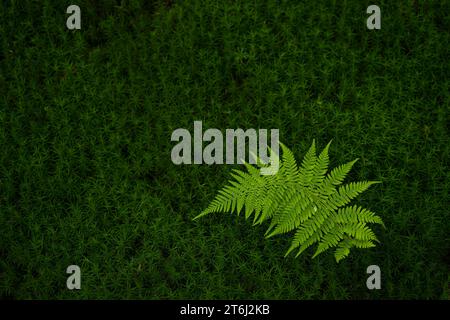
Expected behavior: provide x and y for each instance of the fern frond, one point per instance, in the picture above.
(290, 170)
(309, 229)
(355, 214)
(305, 245)
(331, 239)
(342, 251)
(321, 167)
(288, 219)
(315, 237)
(308, 164)
(362, 244)
(348, 192)
(335, 177)
(303, 199)
(359, 231)
(232, 197)
(279, 192)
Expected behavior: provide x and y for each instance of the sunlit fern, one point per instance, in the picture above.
(305, 200)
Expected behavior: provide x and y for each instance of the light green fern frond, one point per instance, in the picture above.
(308, 164)
(308, 200)
(321, 167)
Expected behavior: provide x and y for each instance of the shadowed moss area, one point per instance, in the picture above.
(86, 118)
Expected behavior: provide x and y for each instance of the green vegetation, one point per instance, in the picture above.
(85, 124)
(304, 200)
